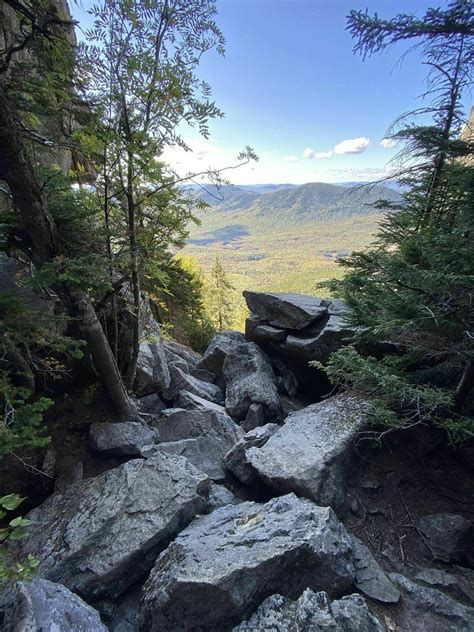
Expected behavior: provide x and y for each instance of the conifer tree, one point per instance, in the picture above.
(221, 297)
(415, 288)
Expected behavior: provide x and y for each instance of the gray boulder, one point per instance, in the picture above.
(287, 310)
(205, 453)
(321, 344)
(126, 438)
(185, 353)
(249, 379)
(152, 374)
(311, 453)
(220, 496)
(181, 381)
(215, 571)
(449, 536)
(459, 585)
(176, 424)
(190, 401)
(312, 612)
(255, 417)
(99, 536)
(203, 375)
(151, 404)
(43, 606)
(221, 344)
(236, 459)
(429, 609)
(370, 579)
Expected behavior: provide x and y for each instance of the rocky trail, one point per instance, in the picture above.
(250, 499)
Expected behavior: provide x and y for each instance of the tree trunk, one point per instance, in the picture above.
(17, 170)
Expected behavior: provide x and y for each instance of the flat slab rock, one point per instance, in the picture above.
(152, 373)
(286, 310)
(370, 579)
(43, 606)
(236, 459)
(249, 379)
(312, 612)
(101, 535)
(181, 381)
(449, 536)
(215, 572)
(312, 452)
(126, 438)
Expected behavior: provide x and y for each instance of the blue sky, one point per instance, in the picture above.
(291, 88)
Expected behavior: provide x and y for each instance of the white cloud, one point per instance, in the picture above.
(352, 146)
(308, 153)
(323, 154)
(387, 143)
(290, 159)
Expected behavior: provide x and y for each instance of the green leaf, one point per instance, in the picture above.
(11, 502)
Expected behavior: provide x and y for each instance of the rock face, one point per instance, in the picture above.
(127, 438)
(236, 459)
(312, 452)
(152, 368)
(176, 424)
(249, 379)
(181, 381)
(312, 612)
(221, 344)
(102, 534)
(299, 327)
(205, 453)
(217, 569)
(369, 576)
(287, 311)
(449, 536)
(429, 609)
(43, 606)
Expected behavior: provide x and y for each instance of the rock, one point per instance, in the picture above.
(255, 417)
(220, 496)
(43, 606)
(236, 459)
(332, 335)
(176, 424)
(99, 536)
(151, 404)
(429, 609)
(256, 331)
(179, 363)
(221, 344)
(205, 453)
(70, 472)
(49, 462)
(215, 571)
(288, 382)
(190, 401)
(181, 381)
(249, 379)
(203, 375)
(312, 612)
(370, 579)
(126, 438)
(185, 353)
(288, 310)
(449, 536)
(152, 368)
(312, 452)
(457, 586)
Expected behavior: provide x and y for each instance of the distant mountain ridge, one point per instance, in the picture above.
(298, 203)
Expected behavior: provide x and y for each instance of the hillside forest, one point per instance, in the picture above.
(220, 403)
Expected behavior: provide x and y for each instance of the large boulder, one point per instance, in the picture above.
(221, 344)
(236, 459)
(152, 374)
(181, 381)
(450, 537)
(205, 453)
(190, 401)
(428, 609)
(312, 612)
(215, 572)
(312, 452)
(286, 311)
(176, 424)
(181, 351)
(220, 496)
(43, 606)
(126, 438)
(100, 535)
(249, 379)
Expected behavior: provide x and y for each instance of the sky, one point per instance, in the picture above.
(292, 88)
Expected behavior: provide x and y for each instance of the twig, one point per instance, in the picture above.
(420, 533)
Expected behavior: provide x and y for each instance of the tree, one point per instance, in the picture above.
(221, 297)
(45, 35)
(415, 288)
(139, 71)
